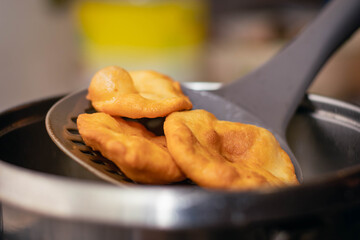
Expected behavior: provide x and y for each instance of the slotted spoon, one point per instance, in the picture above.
(267, 97)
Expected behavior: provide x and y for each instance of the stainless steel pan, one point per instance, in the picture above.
(46, 195)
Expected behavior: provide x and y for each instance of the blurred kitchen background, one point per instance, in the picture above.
(53, 47)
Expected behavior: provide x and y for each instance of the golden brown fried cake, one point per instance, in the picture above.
(141, 155)
(136, 94)
(226, 155)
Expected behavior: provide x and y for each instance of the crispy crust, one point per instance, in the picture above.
(136, 94)
(141, 155)
(226, 155)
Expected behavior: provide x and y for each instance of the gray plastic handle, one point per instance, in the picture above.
(274, 91)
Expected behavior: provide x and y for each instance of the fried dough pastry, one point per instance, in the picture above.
(136, 94)
(226, 155)
(142, 156)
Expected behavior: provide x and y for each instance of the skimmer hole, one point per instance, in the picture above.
(98, 162)
(73, 131)
(90, 110)
(81, 143)
(113, 172)
(74, 119)
(88, 152)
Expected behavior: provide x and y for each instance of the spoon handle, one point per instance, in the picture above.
(274, 91)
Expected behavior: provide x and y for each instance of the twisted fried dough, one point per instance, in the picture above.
(136, 94)
(226, 155)
(141, 155)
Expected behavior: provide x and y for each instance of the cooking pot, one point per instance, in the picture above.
(46, 195)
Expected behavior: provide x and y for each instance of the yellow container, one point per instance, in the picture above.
(167, 36)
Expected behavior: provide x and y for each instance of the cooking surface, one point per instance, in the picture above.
(323, 141)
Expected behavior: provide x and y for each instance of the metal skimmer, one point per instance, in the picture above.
(267, 97)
